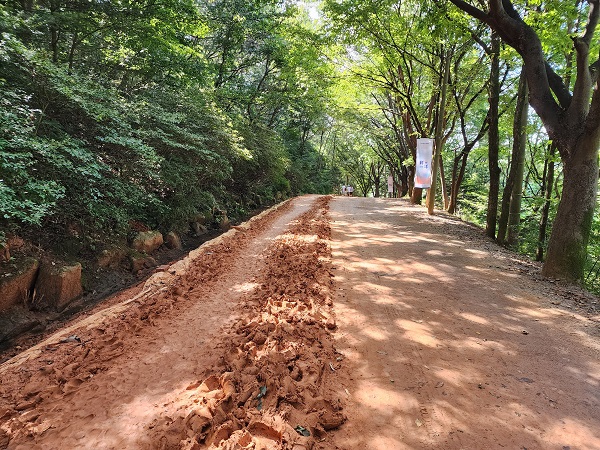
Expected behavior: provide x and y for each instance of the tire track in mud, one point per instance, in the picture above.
(60, 391)
(276, 388)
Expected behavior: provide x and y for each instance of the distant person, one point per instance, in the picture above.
(390, 182)
(344, 189)
(350, 191)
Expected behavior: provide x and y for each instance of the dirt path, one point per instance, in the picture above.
(448, 346)
(129, 367)
(388, 330)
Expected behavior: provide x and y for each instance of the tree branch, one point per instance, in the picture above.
(472, 11)
(583, 82)
(593, 17)
(558, 87)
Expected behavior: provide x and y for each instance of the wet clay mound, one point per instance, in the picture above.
(277, 384)
(38, 380)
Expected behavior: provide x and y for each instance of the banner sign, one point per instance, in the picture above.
(423, 163)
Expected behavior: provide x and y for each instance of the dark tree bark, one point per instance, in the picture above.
(458, 175)
(405, 177)
(572, 122)
(493, 138)
(508, 225)
(439, 131)
(547, 185)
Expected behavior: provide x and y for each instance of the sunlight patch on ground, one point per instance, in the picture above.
(370, 289)
(392, 300)
(474, 318)
(581, 435)
(480, 253)
(484, 270)
(472, 343)
(376, 333)
(386, 443)
(142, 410)
(245, 287)
(385, 401)
(418, 332)
(429, 270)
(454, 377)
(592, 377)
(381, 266)
(309, 238)
(439, 253)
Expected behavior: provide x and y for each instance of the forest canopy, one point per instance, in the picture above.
(155, 111)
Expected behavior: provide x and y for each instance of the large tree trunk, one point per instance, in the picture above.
(567, 247)
(571, 120)
(494, 140)
(417, 196)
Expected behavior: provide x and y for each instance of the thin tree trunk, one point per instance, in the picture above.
(514, 216)
(457, 182)
(547, 185)
(404, 179)
(27, 5)
(494, 141)
(72, 51)
(54, 36)
(443, 183)
(437, 151)
(510, 211)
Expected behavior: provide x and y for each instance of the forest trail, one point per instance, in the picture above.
(449, 345)
(326, 323)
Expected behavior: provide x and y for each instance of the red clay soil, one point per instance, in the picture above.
(342, 323)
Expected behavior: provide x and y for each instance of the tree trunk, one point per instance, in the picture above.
(514, 215)
(493, 138)
(510, 211)
(567, 248)
(27, 5)
(437, 151)
(457, 179)
(417, 196)
(571, 120)
(404, 184)
(547, 185)
(410, 181)
(443, 184)
(74, 43)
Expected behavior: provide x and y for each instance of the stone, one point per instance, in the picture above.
(110, 258)
(172, 240)
(57, 285)
(4, 252)
(147, 241)
(140, 261)
(15, 242)
(4, 439)
(16, 282)
(224, 223)
(201, 219)
(198, 228)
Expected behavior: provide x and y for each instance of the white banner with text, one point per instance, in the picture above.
(423, 163)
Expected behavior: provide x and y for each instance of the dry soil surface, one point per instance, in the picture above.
(325, 323)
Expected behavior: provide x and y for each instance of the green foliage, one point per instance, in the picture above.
(155, 112)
